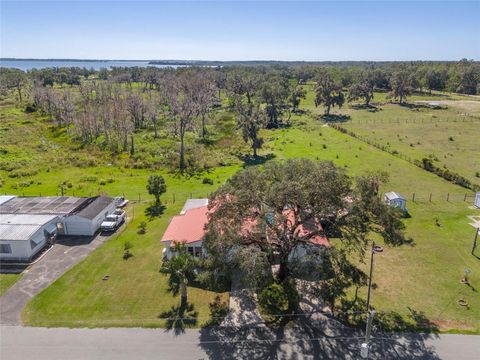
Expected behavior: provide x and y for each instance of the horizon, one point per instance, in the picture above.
(237, 60)
(362, 31)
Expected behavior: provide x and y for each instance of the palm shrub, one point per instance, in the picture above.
(180, 270)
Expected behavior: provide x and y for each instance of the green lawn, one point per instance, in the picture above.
(6, 281)
(424, 277)
(136, 293)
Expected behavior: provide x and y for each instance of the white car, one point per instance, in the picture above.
(113, 221)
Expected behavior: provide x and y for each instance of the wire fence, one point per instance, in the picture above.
(433, 120)
(424, 164)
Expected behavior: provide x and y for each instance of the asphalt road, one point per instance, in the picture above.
(132, 343)
(38, 276)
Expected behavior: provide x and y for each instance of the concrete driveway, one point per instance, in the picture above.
(62, 256)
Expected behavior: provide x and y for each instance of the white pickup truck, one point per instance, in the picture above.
(113, 220)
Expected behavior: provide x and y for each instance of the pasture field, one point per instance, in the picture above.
(422, 277)
(447, 136)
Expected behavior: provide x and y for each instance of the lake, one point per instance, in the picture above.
(95, 64)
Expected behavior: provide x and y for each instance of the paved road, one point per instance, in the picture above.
(130, 343)
(61, 257)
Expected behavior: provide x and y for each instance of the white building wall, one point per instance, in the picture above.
(168, 249)
(76, 225)
(19, 250)
(97, 221)
(80, 226)
(22, 249)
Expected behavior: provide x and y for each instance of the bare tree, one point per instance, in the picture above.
(182, 106)
(251, 118)
(137, 109)
(205, 97)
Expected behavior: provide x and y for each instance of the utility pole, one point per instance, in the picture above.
(365, 345)
(375, 249)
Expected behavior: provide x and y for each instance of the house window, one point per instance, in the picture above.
(5, 249)
(190, 250)
(198, 251)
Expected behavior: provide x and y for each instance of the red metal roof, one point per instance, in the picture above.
(187, 228)
(190, 227)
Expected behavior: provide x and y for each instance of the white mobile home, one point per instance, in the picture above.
(23, 236)
(477, 200)
(87, 220)
(396, 200)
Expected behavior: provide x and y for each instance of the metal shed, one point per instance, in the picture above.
(87, 219)
(396, 200)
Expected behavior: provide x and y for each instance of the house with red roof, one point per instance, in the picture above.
(189, 228)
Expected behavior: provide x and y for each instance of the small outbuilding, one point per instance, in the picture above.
(86, 220)
(22, 236)
(477, 200)
(396, 200)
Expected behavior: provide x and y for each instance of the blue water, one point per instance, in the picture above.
(96, 64)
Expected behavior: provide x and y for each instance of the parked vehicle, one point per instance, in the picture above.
(120, 213)
(113, 221)
(121, 201)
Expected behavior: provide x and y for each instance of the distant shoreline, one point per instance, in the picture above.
(233, 62)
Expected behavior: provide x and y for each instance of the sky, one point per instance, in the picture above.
(241, 30)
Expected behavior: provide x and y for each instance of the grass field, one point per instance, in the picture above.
(445, 135)
(6, 281)
(423, 277)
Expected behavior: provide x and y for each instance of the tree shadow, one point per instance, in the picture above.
(312, 335)
(335, 118)
(369, 108)
(415, 106)
(249, 160)
(154, 211)
(180, 317)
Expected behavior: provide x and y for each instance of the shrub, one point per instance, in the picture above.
(279, 298)
(218, 310)
(207, 181)
(126, 250)
(450, 138)
(324, 146)
(21, 172)
(30, 109)
(88, 179)
(102, 182)
(142, 228)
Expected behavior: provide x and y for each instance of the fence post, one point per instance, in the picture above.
(465, 197)
(448, 196)
(174, 198)
(413, 197)
(475, 240)
(138, 197)
(430, 197)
